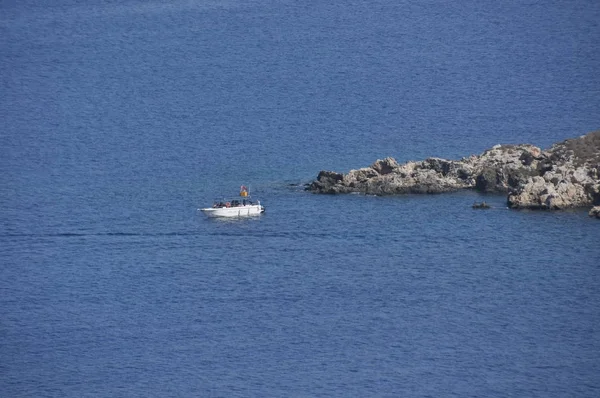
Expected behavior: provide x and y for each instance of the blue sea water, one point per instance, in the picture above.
(119, 119)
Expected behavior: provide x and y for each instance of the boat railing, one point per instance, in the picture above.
(223, 203)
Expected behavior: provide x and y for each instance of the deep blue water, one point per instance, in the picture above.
(118, 119)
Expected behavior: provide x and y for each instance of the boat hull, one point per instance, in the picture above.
(239, 211)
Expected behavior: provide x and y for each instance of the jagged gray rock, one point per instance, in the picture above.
(564, 176)
(568, 177)
(595, 212)
(496, 170)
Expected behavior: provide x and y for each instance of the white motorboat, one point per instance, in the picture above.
(242, 207)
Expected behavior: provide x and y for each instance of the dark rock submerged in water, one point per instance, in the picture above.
(564, 176)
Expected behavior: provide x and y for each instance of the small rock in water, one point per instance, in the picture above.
(481, 205)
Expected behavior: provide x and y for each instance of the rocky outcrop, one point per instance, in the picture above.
(497, 170)
(566, 175)
(595, 212)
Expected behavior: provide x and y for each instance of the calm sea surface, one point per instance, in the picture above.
(119, 119)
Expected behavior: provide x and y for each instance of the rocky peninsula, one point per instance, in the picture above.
(564, 176)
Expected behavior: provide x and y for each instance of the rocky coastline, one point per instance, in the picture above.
(566, 175)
